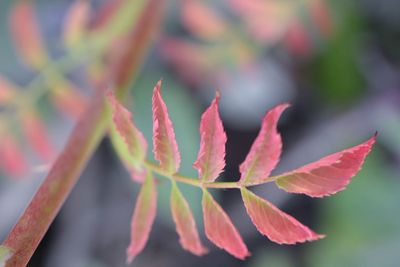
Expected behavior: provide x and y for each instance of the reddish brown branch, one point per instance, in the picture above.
(34, 222)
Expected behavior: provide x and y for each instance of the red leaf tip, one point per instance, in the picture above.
(277, 110)
(217, 96)
(157, 88)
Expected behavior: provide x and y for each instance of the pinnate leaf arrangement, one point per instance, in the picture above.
(318, 179)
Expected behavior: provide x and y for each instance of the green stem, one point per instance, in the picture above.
(196, 182)
(189, 180)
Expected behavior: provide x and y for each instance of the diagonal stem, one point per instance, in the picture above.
(33, 224)
(90, 129)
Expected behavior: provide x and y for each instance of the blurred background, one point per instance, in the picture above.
(336, 62)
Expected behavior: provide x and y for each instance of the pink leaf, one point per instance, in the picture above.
(7, 90)
(182, 54)
(220, 230)
(211, 158)
(265, 151)
(327, 175)
(143, 217)
(105, 15)
(12, 160)
(130, 134)
(165, 147)
(69, 100)
(185, 223)
(26, 34)
(321, 16)
(297, 39)
(274, 223)
(201, 20)
(76, 21)
(37, 136)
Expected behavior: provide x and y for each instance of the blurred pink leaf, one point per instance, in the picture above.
(68, 100)
(105, 14)
(12, 160)
(25, 31)
(266, 21)
(37, 136)
(76, 21)
(183, 54)
(7, 90)
(297, 39)
(201, 20)
(321, 16)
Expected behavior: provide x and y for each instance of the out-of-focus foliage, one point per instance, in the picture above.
(234, 34)
(339, 59)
